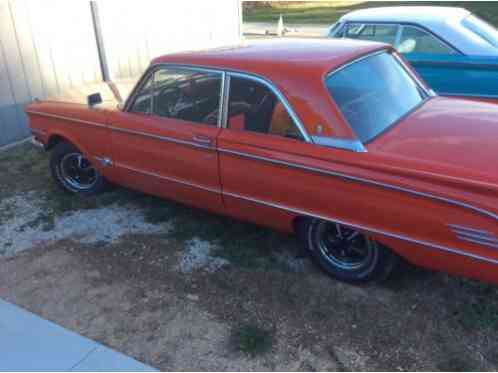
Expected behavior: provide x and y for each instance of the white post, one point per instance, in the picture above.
(280, 27)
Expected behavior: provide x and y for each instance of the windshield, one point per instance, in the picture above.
(373, 93)
(482, 29)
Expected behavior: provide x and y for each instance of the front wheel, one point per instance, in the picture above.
(73, 172)
(347, 254)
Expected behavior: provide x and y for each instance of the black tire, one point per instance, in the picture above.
(63, 154)
(358, 260)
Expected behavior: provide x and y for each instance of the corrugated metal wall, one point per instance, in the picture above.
(48, 46)
(135, 32)
(45, 47)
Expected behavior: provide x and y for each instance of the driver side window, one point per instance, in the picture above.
(184, 94)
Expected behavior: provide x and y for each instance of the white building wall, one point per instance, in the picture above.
(49, 46)
(134, 32)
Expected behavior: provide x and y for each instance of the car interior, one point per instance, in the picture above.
(254, 107)
(195, 97)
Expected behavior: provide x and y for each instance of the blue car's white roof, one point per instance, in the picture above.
(419, 14)
(445, 22)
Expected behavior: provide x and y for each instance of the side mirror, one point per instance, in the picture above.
(94, 99)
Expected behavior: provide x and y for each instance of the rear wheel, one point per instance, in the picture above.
(73, 172)
(348, 254)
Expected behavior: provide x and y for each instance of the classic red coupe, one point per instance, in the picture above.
(337, 140)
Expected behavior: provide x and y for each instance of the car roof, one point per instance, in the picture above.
(445, 22)
(418, 14)
(277, 59)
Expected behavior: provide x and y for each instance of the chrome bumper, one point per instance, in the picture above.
(37, 144)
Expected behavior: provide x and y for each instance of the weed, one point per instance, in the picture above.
(478, 314)
(480, 308)
(251, 339)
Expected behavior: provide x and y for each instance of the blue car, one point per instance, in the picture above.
(453, 50)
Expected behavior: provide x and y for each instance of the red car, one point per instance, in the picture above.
(336, 140)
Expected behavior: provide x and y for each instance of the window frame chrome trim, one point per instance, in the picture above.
(226, 101)
(354, 145)
(427, 90)
(229, 72)
(449, 201)
(280, 96)
(222, 99)
(429, 93)
(401, 24)
(152, 69)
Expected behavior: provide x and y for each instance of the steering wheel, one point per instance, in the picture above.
(173, 100)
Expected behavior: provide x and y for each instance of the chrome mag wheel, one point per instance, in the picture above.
(77, 172)
(344, 248)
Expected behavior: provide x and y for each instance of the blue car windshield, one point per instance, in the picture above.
(482, 29)
(373, 93)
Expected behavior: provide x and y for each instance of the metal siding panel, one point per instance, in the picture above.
(12, 57)
(11, 124)
(47, 47)
(139, 34)
(13, 128)
(38, 14)
(27, 49)
(3, 141)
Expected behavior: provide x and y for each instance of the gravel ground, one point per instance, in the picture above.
(181, 289)
(29, 226)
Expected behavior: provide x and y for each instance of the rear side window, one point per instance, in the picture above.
(183, 94)
(254, 107)
(373, 93)
(374, 32)
(415, 40)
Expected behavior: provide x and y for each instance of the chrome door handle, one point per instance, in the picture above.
(202, 140)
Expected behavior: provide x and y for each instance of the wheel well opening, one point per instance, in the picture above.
(299, 225)
(54, 140)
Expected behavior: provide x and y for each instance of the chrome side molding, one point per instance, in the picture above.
(477, 236)
(320, 171)
(55, 116)
(369, 229)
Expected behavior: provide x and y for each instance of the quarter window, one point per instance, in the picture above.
(415, 40)
(184, 94)
(374, 32)
(254, 107)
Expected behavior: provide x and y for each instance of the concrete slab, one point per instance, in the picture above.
(104, 359)
(30, 343)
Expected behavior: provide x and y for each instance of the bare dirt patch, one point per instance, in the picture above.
(182, 289)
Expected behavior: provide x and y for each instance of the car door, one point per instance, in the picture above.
(259, 137)
(164, 141)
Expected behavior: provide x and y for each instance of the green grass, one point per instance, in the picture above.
(251, 339)
(328, 15)
(242, 244)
